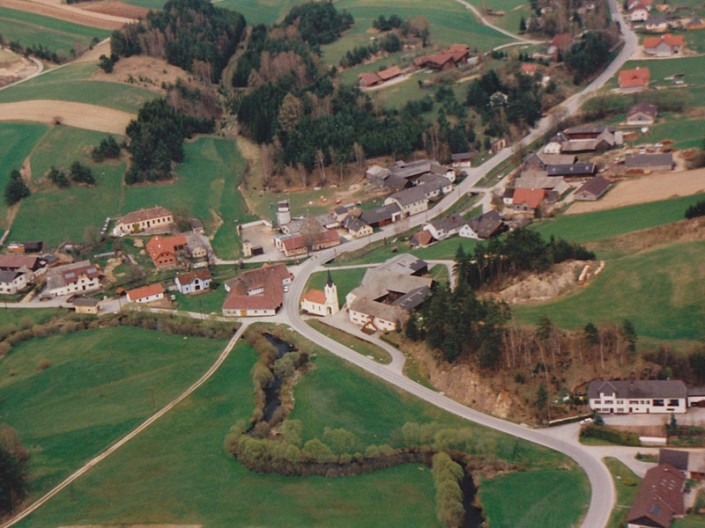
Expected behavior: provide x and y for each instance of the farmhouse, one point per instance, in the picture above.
(146, 294)
(322, 303)
(300, 244)
(447, 59)
(483, 226)
(664, 46)
(257, 292)
(576, 170)
(656, 24)
(645, 397)
(414, 200)
(26, 263)
(369, 79)
(461, 160)
(193, 281)
(421, 239)
(593, 189)
(164, 251)
(634, 80)
(659, 499)
(382, 215)
(555, 183)
(527, 199)
(73, 278)
(152, 220)
(445, 227)
(638, 13)
(12, 282)
(404, 174)
(649, 162)
(642, 114)
(356, 227)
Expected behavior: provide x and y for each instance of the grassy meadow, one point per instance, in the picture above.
(627, 484)
(59, 36)
(70, 396)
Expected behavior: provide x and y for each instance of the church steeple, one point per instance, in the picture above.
(331, 293)
(329, 282)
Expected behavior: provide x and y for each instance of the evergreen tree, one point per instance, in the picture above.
(629, 333)
(15, 189)
(522, 25)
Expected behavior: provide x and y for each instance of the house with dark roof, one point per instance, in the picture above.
(445, 227)
(656, 24)
(482, 227)
(659, 499)
(12, 282)
(197, 281)
(382, 215)
(576, 170)
(356, 227)
(592, 189)
(638, 396)
(641, 114)
(415, 199)
(691, 463)
(658, 162)
(257, 292)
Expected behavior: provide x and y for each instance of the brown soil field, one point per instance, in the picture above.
(68, 13)
(118, 9)
(645, 189)
(78, 115)
(14, 68)
(145, 72)
(683, 231)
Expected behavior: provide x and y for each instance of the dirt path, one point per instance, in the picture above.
(68, 13)
(79, 115)
(645, 189)
(130, 436)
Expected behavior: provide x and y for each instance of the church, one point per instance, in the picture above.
(317, 302)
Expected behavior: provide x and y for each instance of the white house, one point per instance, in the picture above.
(73, 278)
(379, 316)
(482, 226)
(257, 292)
(445, 227)
(638, 13)
(322, 303)
(193, 281)
(151, 219)
(146, 294)
(644, 397)
(12, 281)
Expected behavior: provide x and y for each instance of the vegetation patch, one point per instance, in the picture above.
(627, 484)
(355, 343)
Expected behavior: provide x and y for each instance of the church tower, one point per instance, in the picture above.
(331, 293)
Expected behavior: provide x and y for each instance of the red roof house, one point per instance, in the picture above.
(163, 250)
(529, 69)
(528, 199)
(664, 46)
(634, 80)
(146, 294)
(257, 292)
(444, 59)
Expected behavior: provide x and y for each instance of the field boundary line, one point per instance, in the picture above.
(131, 435)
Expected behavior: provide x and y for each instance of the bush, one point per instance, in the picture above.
(610, 435)
(108, 149)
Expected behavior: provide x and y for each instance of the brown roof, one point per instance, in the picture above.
(369, 78)
(300, 241)
(660, 497)
(634, 78)
(596, 186)
(455, 53)
(315, 296)
(531, 197)
(158, 245)
(189, 277)
(422, 238)
(671, 40)
(144, 214)
(389, 73)
(268, 278)
(17, 261)
(529, 68)
(643, 108)
(72, 275)
(562, 40)
(145, 291)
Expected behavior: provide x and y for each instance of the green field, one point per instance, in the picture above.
(627, 484)
(98, 385)
(549, 499)
(661, 291)
(59, 36)
(358, 345)
(206, 303)
(690, 521)
(692, 67)
(683, 131)
(16, 142)
(26, 317)
(345, 281)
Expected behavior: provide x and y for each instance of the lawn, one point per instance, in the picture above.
(690, 521)
(59, 36)
(549, 499)
(206, 303)
(660, 291)
(358, 345)
(98, 385)
(72, 83)
(627, 484)
(26, 317)
(16, 143)
(345, 281)
(684, 132)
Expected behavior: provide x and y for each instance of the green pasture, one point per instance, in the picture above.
(683, 131)
(358, 345)
(550, 499)
(70, 396)
(72, 83)
(627, 484)
(690, 521)
(27, 317)
(345, 281)
(659, 290)
(206, 303)
(16, 143)
(62, 37)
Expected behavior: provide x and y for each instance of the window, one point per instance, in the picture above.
(597, 402)
(657, 403)
(633, 402)
(674, 403)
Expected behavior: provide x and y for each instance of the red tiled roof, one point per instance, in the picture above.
(369, 79)
(423, 238)
(17, 261)
(158, 245)
(300, 241)
(269, 278)
(390, 73)
(562, 40)
(189, 277)
(634, 78)
(144, 291)
(529, 68)
(315, 296)
(531, 197)
(671, 40)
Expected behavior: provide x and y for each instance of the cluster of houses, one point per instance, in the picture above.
(446, 59)
(659, 18)
(480, 227)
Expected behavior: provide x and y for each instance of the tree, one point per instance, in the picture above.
(107, 149)
(13, 470)
(412, 330)
(541, 397)
(15, 189)
(58, 178)
(291, 112)
(629, 333)
(81, 174)
(522, 25)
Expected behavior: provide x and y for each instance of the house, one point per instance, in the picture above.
(25, 247)
(317, 302)
(25, 263)
(152, 220)
(410, 201)
(382, 215)
(446, 59)
(421, 238)
(165, 251)
(691, 463)
(556, 184)
(576, 170)
(356, 227)
(376, 315)
(301, 244)
(86, 305)
(640, 396)
(559, 44)
(484, 226)
(461, 160)
(554, 144)
(642, 114)
(193, 281)
(198, 249)
(257, 292)
(196, 225)
(370, 79)
(529, 68)
(78, 277)
(12, 282)
(508, 196)
(638, 13)
(695, 23)
(528, 199)
(146, 294)
(589, 131)
(656, 24)
(658, 162)
(664, 46)
(497, 145)
(593, 189)
(634, 80)
(445, 227)
(659, 499)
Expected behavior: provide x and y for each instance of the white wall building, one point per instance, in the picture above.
(323, 303)
(639, 397)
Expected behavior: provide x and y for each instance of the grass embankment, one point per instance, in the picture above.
(358, 345)
(73, 83)
(627, 484)
(59, 36)
(27, 317)
(70, 396)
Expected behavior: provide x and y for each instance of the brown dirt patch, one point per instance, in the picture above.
(645, 189)
(541, 287)
(118, 9)
(78, 115)
(14, 68)
(145, 72)
(68, 13)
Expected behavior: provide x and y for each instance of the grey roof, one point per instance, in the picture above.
(678, 459)
(449, 222)
(416, 168)
(556, 159)
(638, 389)
(696, 391)
(379, 214)
(649, 160)
(85, 301)
(413, 299)
(352, 223)
(460, 156)
(596, 186)
(643, 108)
(656, 19)
(388, 312)
(537, 182)
(410, 196)
(576, 169)
(404, 264)
(588, 129)
(9, 276)
(486, 224)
